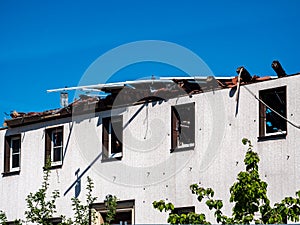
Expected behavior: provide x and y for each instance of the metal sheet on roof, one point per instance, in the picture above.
(110, 86)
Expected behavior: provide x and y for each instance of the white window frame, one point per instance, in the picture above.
(275, 133)
(13, 169)
(55, 163)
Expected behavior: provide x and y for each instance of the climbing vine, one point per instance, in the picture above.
(110, 205)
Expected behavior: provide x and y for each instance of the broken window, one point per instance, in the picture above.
(124, 213)
(184, 210)
(54, 146)
(112, 137)
(183, 126)
(12, 153)
(270, 123)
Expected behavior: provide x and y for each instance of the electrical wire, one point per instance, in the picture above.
(261, 101)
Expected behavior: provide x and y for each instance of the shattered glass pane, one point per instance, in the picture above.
(185, 126)
(276, 100)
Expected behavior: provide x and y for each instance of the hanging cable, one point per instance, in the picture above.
(261, 101)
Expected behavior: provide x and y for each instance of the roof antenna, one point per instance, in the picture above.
(278, 69)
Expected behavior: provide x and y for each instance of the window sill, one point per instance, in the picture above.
(111, 159)
(182, 149)
(271, 137)
(53, 167)
(10, 173)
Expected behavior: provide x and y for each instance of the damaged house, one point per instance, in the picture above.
(148, 140)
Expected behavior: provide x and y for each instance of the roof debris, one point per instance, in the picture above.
(278, 69)
(137, 92)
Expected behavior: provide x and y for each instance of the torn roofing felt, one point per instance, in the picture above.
(128, 93)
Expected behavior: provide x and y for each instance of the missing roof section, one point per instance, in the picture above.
(123, 94)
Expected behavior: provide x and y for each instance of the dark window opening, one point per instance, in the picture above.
(184, 210)
(12, 153)
(271, 123)
(112, 137)
(54, 146)
(183, 126)
(12, 222)
(55, 221)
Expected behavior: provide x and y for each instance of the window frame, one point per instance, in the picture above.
(11, 154)
(53, 147)
(110, 136)
(49, 146)
(177, 130)
(8, 159)
(263, 134)
(122, 206)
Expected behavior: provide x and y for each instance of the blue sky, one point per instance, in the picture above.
(50, 44)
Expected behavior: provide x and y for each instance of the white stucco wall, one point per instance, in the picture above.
(148, 171)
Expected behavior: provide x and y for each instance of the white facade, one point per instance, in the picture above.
(148, 171)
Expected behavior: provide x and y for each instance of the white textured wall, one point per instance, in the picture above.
(148, 171)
